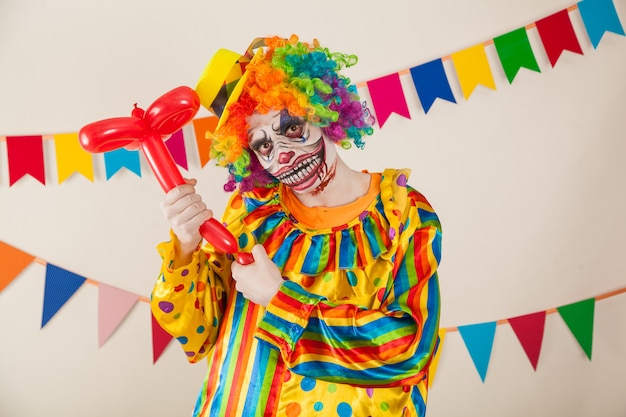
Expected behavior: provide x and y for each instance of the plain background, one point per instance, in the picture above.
(528, 181)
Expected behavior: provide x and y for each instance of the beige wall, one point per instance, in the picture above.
(528, 180)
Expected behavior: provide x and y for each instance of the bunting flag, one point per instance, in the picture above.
(60, 286)
(160, 340)
(25, 157)
(71, 157)
(529, 331)
(434, 363)
(431, 83)
(557, 35)
(387, 97)
(113, 306)
(121, 158)
(176, 145)
(579, 318)
(599, 17)
(515, 52)
(201, 127)
(12, 263)
(478, 339)
(472, 69)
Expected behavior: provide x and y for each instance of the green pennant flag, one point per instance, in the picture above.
(579, 318)
(515, 52)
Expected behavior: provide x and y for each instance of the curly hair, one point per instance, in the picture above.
(302, 78)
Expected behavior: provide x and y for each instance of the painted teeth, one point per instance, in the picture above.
(303, 170)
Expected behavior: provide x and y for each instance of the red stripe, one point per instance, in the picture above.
(246, 344)
(274, 394)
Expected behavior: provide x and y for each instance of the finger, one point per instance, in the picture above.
(176, 193)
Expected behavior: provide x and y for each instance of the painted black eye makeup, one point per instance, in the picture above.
(263, 146)
(291, 127)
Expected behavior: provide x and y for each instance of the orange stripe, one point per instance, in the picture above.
(246, 343)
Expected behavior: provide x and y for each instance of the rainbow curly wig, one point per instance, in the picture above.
(302, 78)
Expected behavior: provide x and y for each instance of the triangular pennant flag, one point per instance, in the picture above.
(12, 262)
(387, 97)
(434, 363)
(599, 16)
(160, 340)
(478, 339)
(472, 69)
(71, 157)
(579, 318)
(557, 35)
(121, 158)
(176, 145)
(201, 127)
(60, 286)
(529, 330)
(515, 52)
(25, 155)
(431, 83)
(113, 306)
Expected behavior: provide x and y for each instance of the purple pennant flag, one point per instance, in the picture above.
(60, 286)
(431, 83)
(176, 145)
(121, 158)
(478, 339)
(388, 97)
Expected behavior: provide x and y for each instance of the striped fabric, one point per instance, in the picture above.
(350, 333)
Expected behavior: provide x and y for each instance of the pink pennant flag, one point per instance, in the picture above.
(25, 157)
(160, 340)
(557, 35)
(176, 145)
(114, 305)
(529, 330)
(388, 97)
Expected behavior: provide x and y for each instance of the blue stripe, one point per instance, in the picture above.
(311, 264)
(238, 315)
(282, 254)
(261, 360)
(347, 251)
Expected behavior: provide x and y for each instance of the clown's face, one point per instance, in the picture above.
(294, 151)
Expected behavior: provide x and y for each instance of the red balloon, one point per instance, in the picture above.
(146, 130)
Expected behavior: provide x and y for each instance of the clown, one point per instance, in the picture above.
(338, 314)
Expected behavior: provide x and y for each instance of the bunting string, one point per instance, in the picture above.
(431, 81)
(114, 304)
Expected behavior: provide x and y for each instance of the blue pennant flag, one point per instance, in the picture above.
(478, 339)
(121, 158)
(431, 83)
(599, 16)
(60, 286)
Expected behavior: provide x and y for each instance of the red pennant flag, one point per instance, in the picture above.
(388, 97)
(176, 145)
(25, 157)
(529, 330)
(201, 127)
(113, 306)
(160, 340)
(557, 35)
(12, 262)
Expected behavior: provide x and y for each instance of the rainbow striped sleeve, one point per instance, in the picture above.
(344, 343)
(188, 302)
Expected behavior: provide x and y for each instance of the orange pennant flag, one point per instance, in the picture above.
(472, 68)
(12, 262)
(201, 127)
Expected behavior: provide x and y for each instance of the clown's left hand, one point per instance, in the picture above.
(258, 281)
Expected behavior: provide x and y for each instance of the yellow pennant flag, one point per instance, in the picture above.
(472, 68)
(71, 157)
(435, 361)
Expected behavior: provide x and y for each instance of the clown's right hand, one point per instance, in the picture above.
(185, 211)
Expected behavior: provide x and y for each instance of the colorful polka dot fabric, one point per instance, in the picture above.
(351, 331)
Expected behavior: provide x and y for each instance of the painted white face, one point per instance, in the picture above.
(294, 151)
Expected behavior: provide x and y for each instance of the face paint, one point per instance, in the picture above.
(294, 151)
